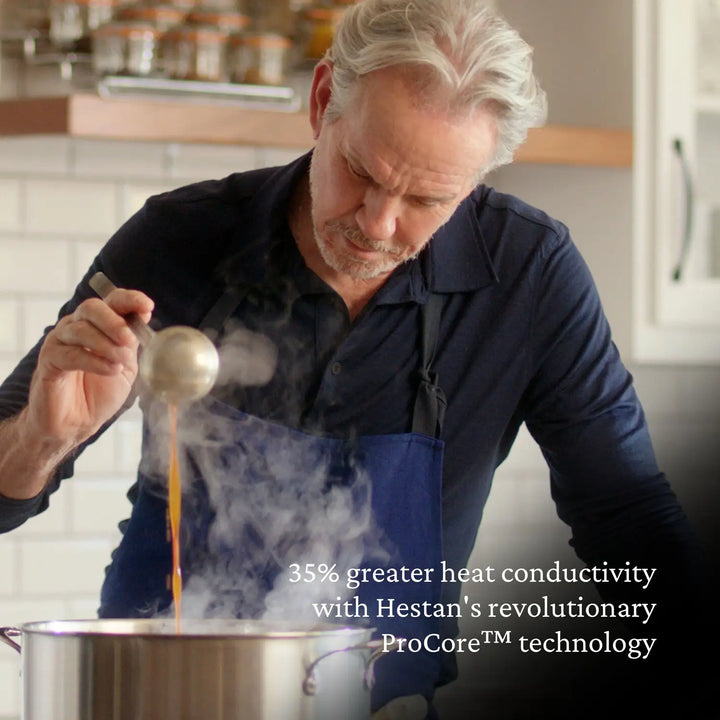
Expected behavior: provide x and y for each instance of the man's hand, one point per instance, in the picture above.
(86, 368)
(410, 707)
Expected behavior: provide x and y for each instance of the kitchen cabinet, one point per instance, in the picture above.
(676, 253)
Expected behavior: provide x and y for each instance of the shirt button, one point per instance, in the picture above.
(336, 368)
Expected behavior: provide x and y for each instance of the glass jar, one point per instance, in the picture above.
(37, 15)
(73, 21)
(275, 17)
(186, 5)
(229, 22)
(11, 16)
(196, 53)
(162, 16)
(126, 47)
(259, 59)
(317, 30)
(232, 5)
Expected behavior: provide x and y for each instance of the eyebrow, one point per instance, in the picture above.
(359, 166)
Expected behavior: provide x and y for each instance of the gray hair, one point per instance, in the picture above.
(461, 48)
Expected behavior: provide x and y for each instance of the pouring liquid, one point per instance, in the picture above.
(174, 513)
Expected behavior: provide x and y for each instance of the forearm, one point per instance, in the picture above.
(27, 460)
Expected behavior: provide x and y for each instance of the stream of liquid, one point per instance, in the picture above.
(174, 512)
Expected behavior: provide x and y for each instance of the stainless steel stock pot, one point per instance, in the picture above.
(211, 670)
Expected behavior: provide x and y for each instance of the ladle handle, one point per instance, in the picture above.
(103, 286)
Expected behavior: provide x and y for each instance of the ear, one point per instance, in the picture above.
(320, 94)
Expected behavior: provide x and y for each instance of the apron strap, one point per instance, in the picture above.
(223, 308)
(430, 400)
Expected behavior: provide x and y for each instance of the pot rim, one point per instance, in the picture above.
(207, 628)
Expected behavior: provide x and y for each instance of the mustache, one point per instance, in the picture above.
(356, 236)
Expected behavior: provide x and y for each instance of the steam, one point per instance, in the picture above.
(276, 501)
(276, 497)
(246, 358)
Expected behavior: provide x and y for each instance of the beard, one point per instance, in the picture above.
(345, 261)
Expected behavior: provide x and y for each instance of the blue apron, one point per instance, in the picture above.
(259, 497)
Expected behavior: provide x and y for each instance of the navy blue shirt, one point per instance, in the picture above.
(523, 338)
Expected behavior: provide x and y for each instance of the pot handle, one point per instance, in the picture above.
(378, 650)
(6, 635)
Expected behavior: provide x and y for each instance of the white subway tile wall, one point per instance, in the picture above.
(35, 156)
(184, 159)
(39, 265)
(10, 685)
(71, 207)
(9, 567)
(83, 254)
(60, 200)
(38, 314)
(44, 565)
(10, 209)
(108, 161)
(9, 327)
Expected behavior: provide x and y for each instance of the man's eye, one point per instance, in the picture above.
(425, 202)
(357, 173)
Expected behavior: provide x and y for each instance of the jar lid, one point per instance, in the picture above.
(152, 12)
(217, 5)
(86, 2)
(119, 28)
(324, 14)
(267, 40)
(197, 33)
(234, 20)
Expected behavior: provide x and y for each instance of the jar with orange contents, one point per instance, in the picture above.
(259, 59)
(163, 16)
(229, 21)
(316, 29)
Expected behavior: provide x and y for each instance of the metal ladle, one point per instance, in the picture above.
(178, 363)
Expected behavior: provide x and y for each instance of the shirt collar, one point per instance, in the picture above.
(455, 260)
(460, 258)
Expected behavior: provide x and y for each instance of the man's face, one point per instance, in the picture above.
(388, 173)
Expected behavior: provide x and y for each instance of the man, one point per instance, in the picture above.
(419, 319)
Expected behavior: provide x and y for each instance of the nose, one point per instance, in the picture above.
(378, 215)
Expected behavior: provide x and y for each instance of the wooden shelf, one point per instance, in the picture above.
(574, 145)
(90, 116)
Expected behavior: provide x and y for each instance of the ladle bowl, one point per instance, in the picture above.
(178, 363)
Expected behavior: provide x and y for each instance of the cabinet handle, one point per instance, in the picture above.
(689, 202)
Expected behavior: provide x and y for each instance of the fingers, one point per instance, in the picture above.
(124, 302)
(96, 337)
(77, 344)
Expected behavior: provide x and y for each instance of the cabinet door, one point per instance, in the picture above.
(677, 185)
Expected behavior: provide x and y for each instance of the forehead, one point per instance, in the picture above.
(398, 137)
